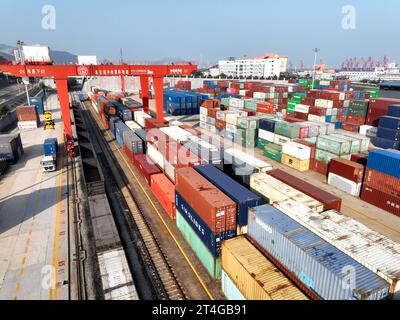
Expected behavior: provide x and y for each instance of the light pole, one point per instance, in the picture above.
(20, 44)
(315, 50)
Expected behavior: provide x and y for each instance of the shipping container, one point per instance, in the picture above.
(333, 145)
(145, 166)
(389, 122)
(297, 150)
(27, 113)
(347, 169)
(254, 275)
(274, 190)
(50, 146)
(317, 264)
(386, 161)
(383, 200)
(382, 181)
(214, 207)
(211, 263)
(164, 191)
(11, 149)
(329, 200)
(388, 134)
(295, 163)
(229, 288)
(243, 198)
(368, 247)
(344, 184)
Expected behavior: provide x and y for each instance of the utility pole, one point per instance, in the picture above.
(19, 45)
(315, 50)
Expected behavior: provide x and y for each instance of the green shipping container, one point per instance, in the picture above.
(355, 144)
(286, 129)
(324, 156)
(225, 101)
(290, 106)
(261, 143)
(250, 105)
(248, 123)
(249, 134)
(374, 93)
(273, 153)
(333, 144)
(247, 143)
(211, 263)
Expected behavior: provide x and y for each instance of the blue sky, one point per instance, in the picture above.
(208, 30)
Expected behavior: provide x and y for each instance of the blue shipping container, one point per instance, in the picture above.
(389, 134)
(321, 267)
(211, 240)
(267, 124)
(243, 197)
(394, 110)
(385, 143)
(113, 121)
(50, 146)
(389, 122)
(120, 127)
(386, 161)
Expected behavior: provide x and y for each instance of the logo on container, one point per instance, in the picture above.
(49, 18)
(176, 71)
(349, 17)
(83, 71)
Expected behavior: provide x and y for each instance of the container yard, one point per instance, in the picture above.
(243, 180)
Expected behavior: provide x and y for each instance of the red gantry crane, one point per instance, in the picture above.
(61, 73)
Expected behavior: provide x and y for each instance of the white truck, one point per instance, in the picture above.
(48, 163)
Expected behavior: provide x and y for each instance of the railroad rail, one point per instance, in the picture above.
(163, 277)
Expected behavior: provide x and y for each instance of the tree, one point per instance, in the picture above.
(197, 74)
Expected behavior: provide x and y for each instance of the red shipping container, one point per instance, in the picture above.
(303, 133)
(213, 112)
(382, 182)
(27, 113)
(145, 166)
(329, 200)
(359, 158)
(381, 200)
(220, 124)
(164, 191)
(347, 169)
(355, 120)
(128, 153)
(152, 123)
(301, 116)
(378, 107)
(319, 166)
(350, 127)
(212, 205)
(318, 111)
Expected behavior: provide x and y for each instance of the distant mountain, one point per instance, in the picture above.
(7, 52)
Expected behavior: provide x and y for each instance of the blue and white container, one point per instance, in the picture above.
(244, 198)
(322, 268)
(120, 127)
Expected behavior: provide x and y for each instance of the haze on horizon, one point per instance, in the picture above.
(206, 31)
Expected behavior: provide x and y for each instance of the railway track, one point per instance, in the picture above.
(164, 277)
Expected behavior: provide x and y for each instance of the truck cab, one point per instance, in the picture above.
(48, 163)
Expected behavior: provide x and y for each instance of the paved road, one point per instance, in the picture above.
(33, 252)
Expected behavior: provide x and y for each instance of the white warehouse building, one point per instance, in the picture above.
(267, 65)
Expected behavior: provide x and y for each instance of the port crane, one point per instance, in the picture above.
(61, 73)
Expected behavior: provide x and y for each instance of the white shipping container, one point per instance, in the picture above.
(301, 108)
(297, 150)
(139, 117)
(261, 166)
(27, 125)
(175, 123)
(231, 128)
(176, 133)
(344, 184)
(266, 135)
(169, 170)
(278, 139)
(211, 120)
(211, 128)
(236, 103)
(133, 125)
(323, 103)
(203, 125)
(203, 117)
(204, 111)
(155, 155)
(315, 118)
(370, 248)
(364, 128)
(242, 93)
(276, 190)
(232, 118)
(259, 95)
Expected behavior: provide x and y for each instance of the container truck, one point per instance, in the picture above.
(49, 159)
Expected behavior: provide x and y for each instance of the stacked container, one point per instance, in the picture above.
(382, 180)
(11, 148)
(388, 132)
(209, 217)
(296, 156)
(315, 265)
(346, 175)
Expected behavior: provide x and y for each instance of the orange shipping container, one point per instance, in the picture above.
(164, 191)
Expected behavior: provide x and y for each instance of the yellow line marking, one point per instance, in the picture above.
(26, 250)
(163, 221)
(21, 272)
(53, 289)
(28, 241)
(30, 232)
(23, 260)
(17, 287)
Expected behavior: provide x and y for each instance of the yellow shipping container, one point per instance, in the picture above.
(254, 275)
(299, 165)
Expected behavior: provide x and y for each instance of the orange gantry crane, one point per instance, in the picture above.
(61, 73)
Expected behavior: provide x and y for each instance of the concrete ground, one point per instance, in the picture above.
(33, 228)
